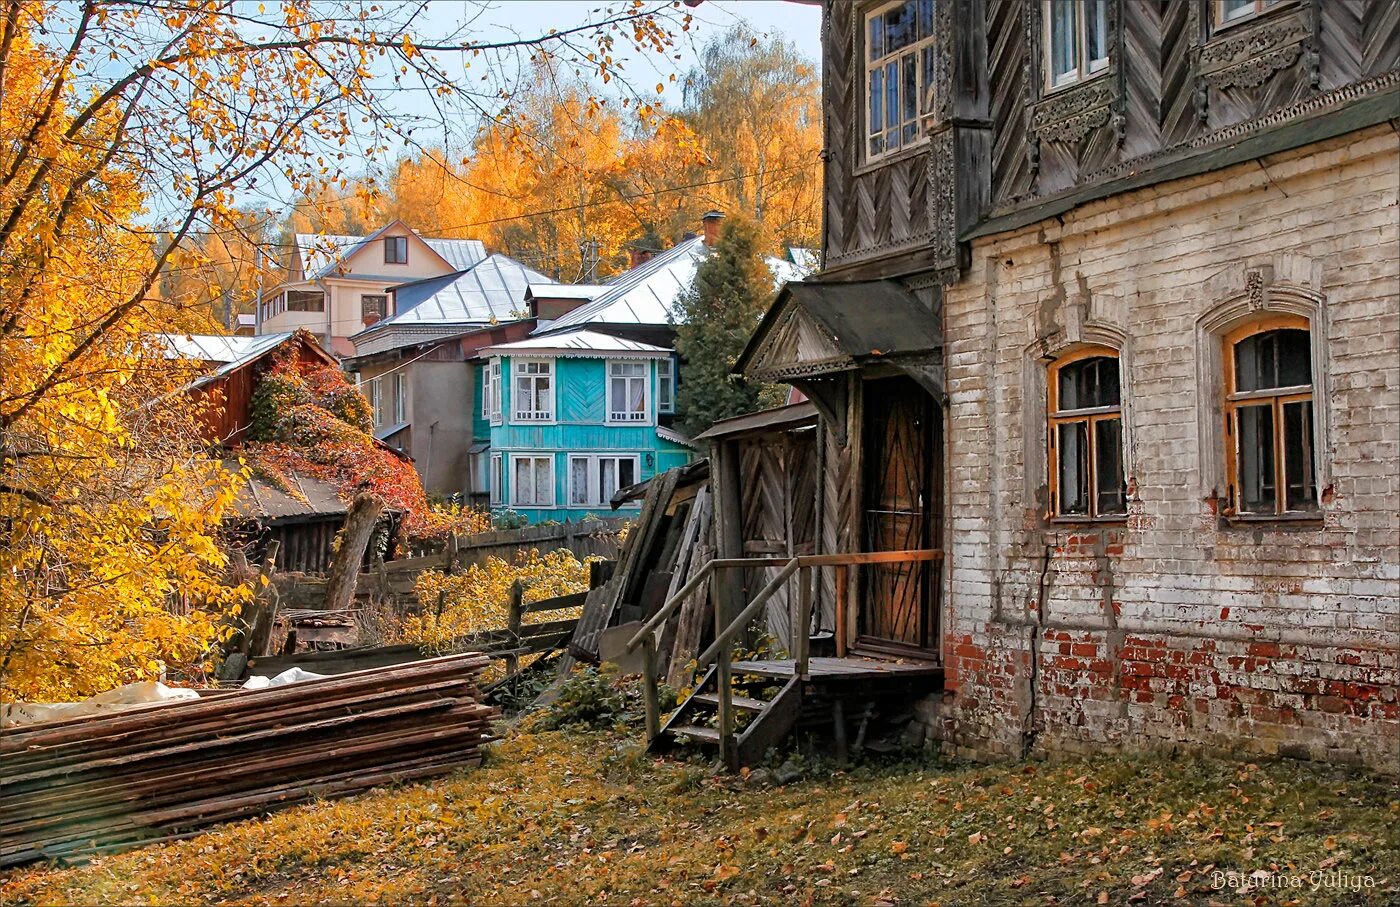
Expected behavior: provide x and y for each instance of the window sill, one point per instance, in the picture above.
(865, 165)
(1217, 28)
(1056, 90)
(1088, 522)
(1275, 521)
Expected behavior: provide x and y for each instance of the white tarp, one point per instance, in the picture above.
(291, 675)
(128, 697)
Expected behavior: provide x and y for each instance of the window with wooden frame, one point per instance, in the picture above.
(628, 397)
(531, 480)
(533, 391)
(1270, 451)
(374, 305)
(898, 74)
(491, 393)
(1086, 436)
(1076, 41)
(1228, 12)
(396, 250)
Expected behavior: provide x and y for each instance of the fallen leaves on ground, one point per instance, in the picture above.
(588, 817)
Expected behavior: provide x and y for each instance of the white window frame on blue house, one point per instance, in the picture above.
(497, 479)
(536, 500)
(594, 494)
(628, 417)
(666, 385)
(521, 372)
(491, 392)
(400, 398)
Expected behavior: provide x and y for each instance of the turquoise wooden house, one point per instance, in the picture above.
(572, 417)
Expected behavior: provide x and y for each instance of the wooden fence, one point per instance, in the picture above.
(393, 581)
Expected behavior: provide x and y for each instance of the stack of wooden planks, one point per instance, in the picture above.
(158, 773)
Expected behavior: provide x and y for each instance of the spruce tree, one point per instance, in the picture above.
(714, 319)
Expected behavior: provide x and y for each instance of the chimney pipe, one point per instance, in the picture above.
(711, 221)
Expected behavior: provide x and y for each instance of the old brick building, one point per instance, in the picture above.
(1156, 432)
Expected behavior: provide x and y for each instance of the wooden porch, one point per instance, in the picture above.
(745, 707)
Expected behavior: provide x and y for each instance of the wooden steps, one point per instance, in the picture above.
(768, 701)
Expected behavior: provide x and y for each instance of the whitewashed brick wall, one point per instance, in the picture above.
(1179, 629)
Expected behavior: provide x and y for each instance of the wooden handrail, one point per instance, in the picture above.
(746, 615)
(800, 617)
(803, 560)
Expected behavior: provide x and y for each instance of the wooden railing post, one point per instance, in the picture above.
(842, 574)
(803, 628)
(724, 679)
(649, 693)
(513, 621)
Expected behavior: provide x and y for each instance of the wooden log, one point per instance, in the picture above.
(350, 546)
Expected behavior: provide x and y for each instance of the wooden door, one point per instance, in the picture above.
(901, 457)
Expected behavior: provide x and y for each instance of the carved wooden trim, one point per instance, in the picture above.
(1068, 114)
(1248, 55)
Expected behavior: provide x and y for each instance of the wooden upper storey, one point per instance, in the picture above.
(1187, 86)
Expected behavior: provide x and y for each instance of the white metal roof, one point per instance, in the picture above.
(321, 252)
(642, 295)
(578, 343)
(798, 264)
(218, 349)
(567, 290)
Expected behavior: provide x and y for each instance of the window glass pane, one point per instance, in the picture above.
(1063, 38)
(910, 91)
(1294, 358)
(1280, 358)
(1233, 9)
(925, 18)
(1096, 33)
(1255, 428)
(901, 27)
(1074, 467)
(521, 484)
(1298, 456)
(607, 479)
(626, 473)
(542, 480)
(877, 102)
(1089, 383)
(1111, 492)
(929, 81)
(877, 37)
(892, 105)
(578, 480)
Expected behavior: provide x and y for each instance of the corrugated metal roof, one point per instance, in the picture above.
(567, 290)
(797, 265)
(577, 343)
(321, 252)
(642, 295)
(491, 292)
(220, 349)
(459, 253)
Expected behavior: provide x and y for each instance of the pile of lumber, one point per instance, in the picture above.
(160, 772)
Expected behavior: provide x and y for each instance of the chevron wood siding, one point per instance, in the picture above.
(881, 210)
(1173, 79)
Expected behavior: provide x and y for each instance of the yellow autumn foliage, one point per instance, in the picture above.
(475, 600)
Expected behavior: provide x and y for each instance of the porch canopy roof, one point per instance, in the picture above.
(817, 327)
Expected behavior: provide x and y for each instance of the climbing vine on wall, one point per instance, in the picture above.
(309, 419)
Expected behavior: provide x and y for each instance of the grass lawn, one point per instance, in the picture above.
(585, 816)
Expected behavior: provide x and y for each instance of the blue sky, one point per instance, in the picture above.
(797, 23)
